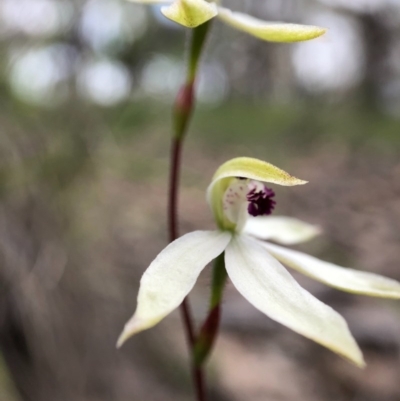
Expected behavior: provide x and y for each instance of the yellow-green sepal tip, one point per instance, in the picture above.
(190, 13)
(243, 167)
(270, 31)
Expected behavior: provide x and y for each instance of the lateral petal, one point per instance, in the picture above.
(268, 286)
(269, 31)
(190, 13)
(282, 229)
(342, 278)
(171, 276)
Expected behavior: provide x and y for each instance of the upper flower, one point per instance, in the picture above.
(242, 203)
(192, 13)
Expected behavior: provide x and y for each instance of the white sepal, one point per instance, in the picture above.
(345, 279)
(269, 31)
(268, 286)
(190, 13)
(171, 276)
(284, 230)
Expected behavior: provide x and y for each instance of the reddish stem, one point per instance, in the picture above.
(183, 110)
(176, 151)
(173, 188)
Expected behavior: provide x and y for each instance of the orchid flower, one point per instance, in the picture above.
(241, 203)
(192, 13)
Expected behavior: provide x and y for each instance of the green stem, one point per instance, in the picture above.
(185, 101)
(209, 330)
(218, 281)
(183, 109)
(196, 48)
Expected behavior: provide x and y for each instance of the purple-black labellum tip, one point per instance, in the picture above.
(261, 202)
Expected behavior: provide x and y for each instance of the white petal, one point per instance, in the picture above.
(270, 31)
(285, 230)
(267, 285)
(190, 13)
(171, 276)
(346, 279)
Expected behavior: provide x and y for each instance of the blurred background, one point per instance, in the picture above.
(86, 89)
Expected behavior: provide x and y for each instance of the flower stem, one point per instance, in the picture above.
(183, 109)
(176, 149)
(186, 315)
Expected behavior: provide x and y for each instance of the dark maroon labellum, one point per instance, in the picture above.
(261, 202)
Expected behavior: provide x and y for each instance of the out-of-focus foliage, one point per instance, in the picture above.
(108, 51)
(86, 89)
